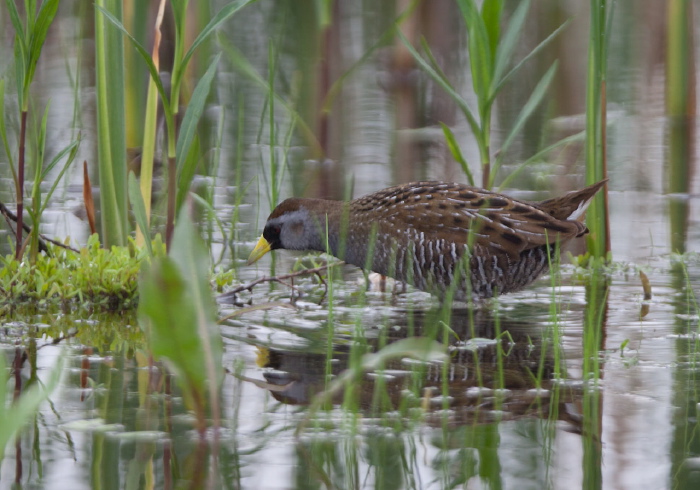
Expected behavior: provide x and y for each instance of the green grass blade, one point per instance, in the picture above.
(179, 10)
(189, 168)
(533, 101)
(148, 149)
(491, 14)
(479, 51)
(185, 161)
(20, 73)
(21, 37)
(18, 414)
(212, 212)
(383, 40)
(532, 53)
(139, 209)
(457, 152)
(41, 145)
(3, 132)
(510, 41)
(537, 156)
(71, 150)
(194, 113)
(440, 80)
(44, 19)
(241, 64)
(215, 22)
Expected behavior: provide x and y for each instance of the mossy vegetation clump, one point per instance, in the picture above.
(98, 277)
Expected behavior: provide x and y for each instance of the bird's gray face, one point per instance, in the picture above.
(293, 230)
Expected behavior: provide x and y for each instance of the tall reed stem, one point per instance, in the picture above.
(681, 112)
(596, 165)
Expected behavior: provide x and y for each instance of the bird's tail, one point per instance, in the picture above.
(573, 205)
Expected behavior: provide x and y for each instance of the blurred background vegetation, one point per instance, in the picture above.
(320, 98)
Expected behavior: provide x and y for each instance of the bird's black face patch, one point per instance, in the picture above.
(271, 233)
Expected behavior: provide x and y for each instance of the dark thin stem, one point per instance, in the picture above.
(280, 279)
(10, 216)
(20, 183)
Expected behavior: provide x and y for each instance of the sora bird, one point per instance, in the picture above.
(437, 236)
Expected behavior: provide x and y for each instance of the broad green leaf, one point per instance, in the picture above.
(457, 152)
(139, 209)
(178, 312)
(165, 307)
(191, 256)
(491, 11)
(479, 52)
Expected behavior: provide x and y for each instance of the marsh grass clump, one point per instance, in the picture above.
(103, 278)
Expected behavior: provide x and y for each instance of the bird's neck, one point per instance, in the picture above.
(326, 223)
(336, 233)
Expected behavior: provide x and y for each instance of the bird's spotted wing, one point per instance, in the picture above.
(461, 214)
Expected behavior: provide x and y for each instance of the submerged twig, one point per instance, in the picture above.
(279, 279)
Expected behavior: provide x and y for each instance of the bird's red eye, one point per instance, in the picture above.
(276, 230)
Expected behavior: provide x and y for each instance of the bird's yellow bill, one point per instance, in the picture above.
(261, 248)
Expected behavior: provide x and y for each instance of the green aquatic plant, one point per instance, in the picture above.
(93, 276)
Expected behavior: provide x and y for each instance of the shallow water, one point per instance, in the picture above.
(527, 399)
(478, 419)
